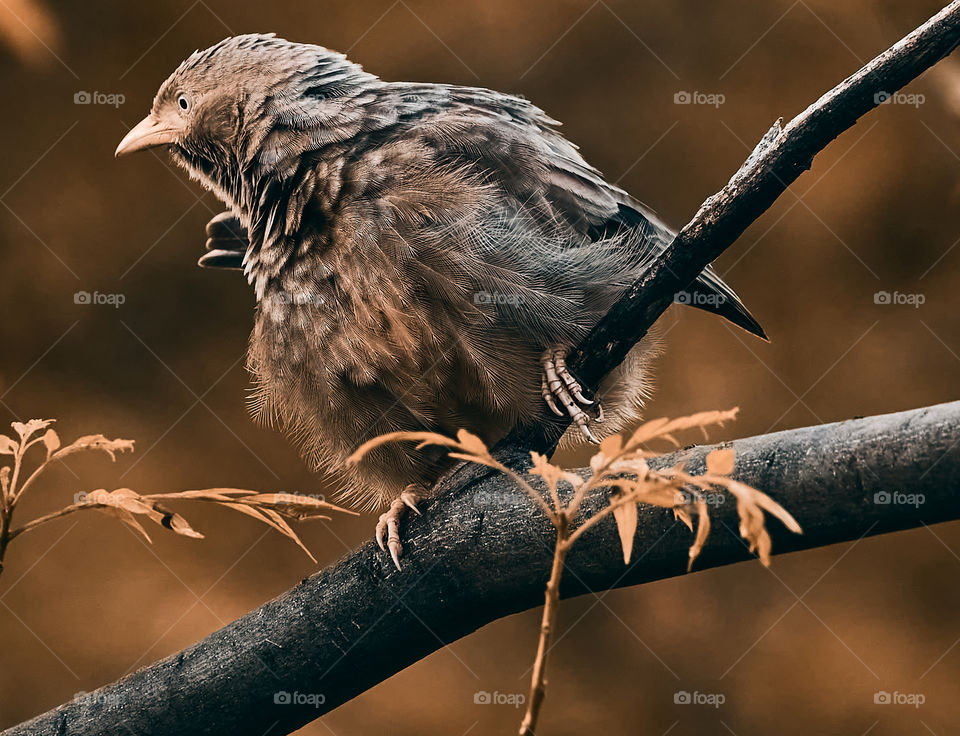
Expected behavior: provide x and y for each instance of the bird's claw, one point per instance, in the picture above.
(388, 526)
(559, 383)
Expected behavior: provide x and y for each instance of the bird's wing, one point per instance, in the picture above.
(546, 172)
(607, 210)
(226, 243)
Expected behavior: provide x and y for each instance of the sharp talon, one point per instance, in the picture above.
(388, 525)
(589, 435)
(558, 384)
(578, 395)
(548, 397)
(410, 500)
(395, 550)
(381, 528)
(599, 419)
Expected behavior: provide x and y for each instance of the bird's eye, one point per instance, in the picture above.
(183, 102)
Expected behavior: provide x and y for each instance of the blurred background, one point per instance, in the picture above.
(667, 97)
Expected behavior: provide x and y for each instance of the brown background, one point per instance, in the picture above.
(83, 601)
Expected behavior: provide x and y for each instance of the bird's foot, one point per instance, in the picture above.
(389, 524)
(558, 383)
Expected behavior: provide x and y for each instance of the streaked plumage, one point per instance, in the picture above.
(414, 249)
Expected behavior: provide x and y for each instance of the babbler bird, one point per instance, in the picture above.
(423, 255)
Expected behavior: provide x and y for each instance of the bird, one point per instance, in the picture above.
(423, 256)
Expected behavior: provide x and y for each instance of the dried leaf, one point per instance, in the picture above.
(551, 474)
(51, 441)
(703, 531)
(8, 446)
(424, 438)
(625, 514)
(284, 527)
(95, 442)
(127, 518)
(31, 427)
(721, 462)
(130, 502)
(293, 505)
(471, 444)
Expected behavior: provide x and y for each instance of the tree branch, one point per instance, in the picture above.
(483, 551)
(781, 156)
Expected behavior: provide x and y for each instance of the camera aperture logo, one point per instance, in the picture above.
(282, 697)
(482, 697)
(112, 300)
(882, 697)
(685, 697)
(98, 98)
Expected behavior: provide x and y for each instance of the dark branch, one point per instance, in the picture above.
(483, 551)
(781, 156)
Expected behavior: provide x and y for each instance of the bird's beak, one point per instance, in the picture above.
(148, 133)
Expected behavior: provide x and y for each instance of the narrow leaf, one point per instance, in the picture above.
(626, 517)
(721, 462)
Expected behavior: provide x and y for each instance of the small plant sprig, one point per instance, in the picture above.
(620, 468)
(125, 504)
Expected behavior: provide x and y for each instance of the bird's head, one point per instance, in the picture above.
(250, 103)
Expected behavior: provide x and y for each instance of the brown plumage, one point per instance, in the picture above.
(414, 249)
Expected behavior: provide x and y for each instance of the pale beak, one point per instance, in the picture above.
(148, 133)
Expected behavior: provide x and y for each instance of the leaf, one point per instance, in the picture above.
(703, 531)
(96, 442)
(424, 438)
(130, 503)
(625, 514)
(611, 446)
(179, 525)
(721, 462)
(8, 446)
(551, 474)
(293, 505)
(127, 518)
(31, 427)
(51, 441)
(5, 479)
(472, 444)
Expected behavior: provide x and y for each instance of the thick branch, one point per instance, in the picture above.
(483, 552)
